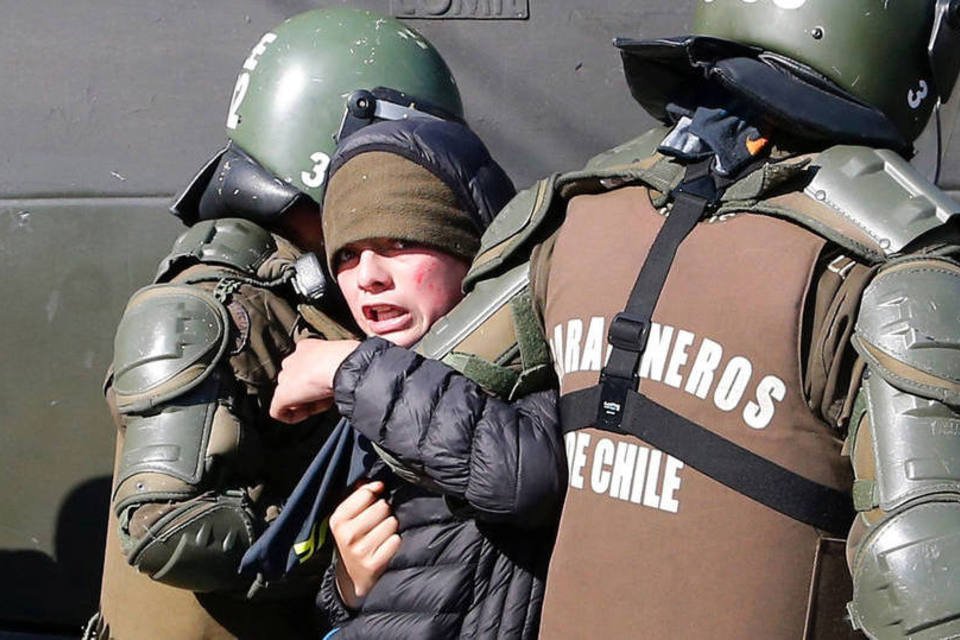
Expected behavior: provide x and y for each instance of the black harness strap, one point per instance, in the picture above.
(630, 328)
(615, 405)
(712, 455)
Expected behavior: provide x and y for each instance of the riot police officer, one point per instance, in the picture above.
(738, 304)
(201, 469)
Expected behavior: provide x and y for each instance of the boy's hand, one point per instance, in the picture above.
(365, 531)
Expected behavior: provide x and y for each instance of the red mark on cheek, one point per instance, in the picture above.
(421, 275)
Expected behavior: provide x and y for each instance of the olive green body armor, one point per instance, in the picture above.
(897, 397)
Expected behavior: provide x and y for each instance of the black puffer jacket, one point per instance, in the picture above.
(473, 560)
(473, 548)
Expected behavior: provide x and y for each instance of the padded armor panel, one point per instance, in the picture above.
(233, 242)
(492, 337)
(198, 545)
(487, 298)
(168, 341)
(881, 193)
(172, 443)
(915, 446)
(905, 588)
(907, 328)
(533, 210)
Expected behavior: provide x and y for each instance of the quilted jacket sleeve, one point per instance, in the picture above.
(504, 459)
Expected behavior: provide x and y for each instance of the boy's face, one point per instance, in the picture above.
(397, 290)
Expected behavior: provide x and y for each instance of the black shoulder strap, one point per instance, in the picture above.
(630, 328)
(615, 404)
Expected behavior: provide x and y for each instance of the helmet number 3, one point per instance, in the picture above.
(315, 177)
(243, 80)
(915, 97)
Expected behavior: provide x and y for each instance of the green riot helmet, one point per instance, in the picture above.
(291, 95)
(900, 57)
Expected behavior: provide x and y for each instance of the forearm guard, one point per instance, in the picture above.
(184, 520)
(904, 548)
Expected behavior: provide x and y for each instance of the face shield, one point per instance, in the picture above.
(944, 53)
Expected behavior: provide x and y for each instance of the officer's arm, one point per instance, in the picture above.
(904, 548)
(185, 519)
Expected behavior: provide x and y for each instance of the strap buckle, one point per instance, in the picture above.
(629, 332)
(613, 397)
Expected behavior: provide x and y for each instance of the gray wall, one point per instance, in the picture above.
(106, 110)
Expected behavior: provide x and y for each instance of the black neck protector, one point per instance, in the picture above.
(794, 99)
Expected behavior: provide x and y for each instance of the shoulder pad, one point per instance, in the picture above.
(912, 555)
(168, 341)
(907, 327)
(538, 209)
(515, 224)
(487, 299)
(233, 242)
(880, 193)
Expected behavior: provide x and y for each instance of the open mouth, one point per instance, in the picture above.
(382, 312)
(384, 319)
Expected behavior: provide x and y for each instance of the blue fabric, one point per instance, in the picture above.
(703, 131)
(345, 457)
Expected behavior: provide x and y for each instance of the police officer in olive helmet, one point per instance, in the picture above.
(770, 365)
(201, 468)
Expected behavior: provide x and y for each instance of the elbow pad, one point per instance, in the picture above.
(904, 550)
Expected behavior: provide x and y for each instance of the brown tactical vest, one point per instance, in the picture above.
(649, 547)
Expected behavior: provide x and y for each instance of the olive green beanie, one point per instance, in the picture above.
(378, 194)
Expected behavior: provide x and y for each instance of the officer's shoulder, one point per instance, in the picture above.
(536, 211)
(168, 341)
(871, 201)
(234, 243)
